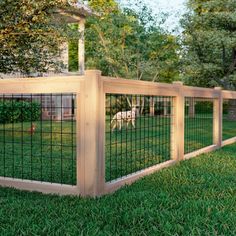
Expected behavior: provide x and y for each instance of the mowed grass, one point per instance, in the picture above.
(229, 128)
(132, 149)
(50, 154)
(198, 132)
(196, 197)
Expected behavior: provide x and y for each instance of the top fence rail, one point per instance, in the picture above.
(67, 84)
(64, 84)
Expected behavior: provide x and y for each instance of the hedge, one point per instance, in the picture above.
(13, 111)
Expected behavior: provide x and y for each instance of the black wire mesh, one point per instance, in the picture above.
(198, 123)
(38, 137)
(138, 133)
(229, 119)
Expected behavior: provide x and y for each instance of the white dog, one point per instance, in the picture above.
(123, 116)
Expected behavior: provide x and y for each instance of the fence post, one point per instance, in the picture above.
(217, 120)
(91, 179)
(177, 140)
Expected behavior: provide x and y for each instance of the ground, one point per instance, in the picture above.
(196, 197)
(51, 156)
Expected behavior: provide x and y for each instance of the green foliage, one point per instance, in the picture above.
(204, 107)
(209, 43)
(73, 51)
(30, 37)
(129, 44)
(13, 111)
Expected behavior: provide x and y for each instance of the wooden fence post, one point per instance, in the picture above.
(177, 140)
(217, 119)
(91, 174)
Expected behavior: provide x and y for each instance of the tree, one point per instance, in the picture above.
(210, 43)
(124, 43)
(130, 44)
(29, 39)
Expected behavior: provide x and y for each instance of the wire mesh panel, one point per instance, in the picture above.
(138, 132)
(198, 123)
(38, 137)
(229, 119)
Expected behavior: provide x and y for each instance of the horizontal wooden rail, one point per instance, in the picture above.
(37, 186)
(124, 86)
(113, 186)
(200, 151)
(199, 92)
(68, 84)
(228, 94)
(132, 87)
(229, 141)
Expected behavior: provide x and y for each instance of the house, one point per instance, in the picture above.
(59, 107)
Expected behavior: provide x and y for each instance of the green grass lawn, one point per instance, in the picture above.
(52, 157)
(48, 155)
(196, 197)
(198, 132)
(229, 128)
(132, 149)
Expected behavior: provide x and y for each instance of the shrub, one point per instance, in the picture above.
(13, 111)
(204, 107)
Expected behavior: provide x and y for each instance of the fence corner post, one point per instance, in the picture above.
(218, 116)
(177, 140)
(91, 174)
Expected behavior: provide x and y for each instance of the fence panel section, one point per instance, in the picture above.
(229, 119)
(198, 123)
(38, 137)
(138, 133)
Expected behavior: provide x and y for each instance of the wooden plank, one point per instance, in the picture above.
(132, 87)
(101, 136)
(200, 151)
(80, 130)
(81, 47)
(68, 84)
(217, 121)
(228, 94)
(199, 92)
(92, 123)
(229, 141)
(124, 86)
(177, 138)
(37, 186)
(113, 186)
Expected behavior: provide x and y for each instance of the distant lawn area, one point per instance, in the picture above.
(52, 157)
(196, 197)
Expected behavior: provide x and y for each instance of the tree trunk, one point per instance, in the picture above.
(191, 111)
(142, 106)
(165, 105)
(232, 110)
(152, 107)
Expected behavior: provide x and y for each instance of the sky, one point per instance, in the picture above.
(175, 8)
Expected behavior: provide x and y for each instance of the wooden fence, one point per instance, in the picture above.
(91, 90)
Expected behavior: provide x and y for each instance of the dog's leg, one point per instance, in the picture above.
(127, 123)
(113, 127)
(113, 124)
(133, 122)
(120, 124)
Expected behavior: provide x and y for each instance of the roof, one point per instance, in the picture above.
(73, 12)
(82, 9)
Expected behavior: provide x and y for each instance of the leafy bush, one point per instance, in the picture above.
(12, 111)
(204, 107)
